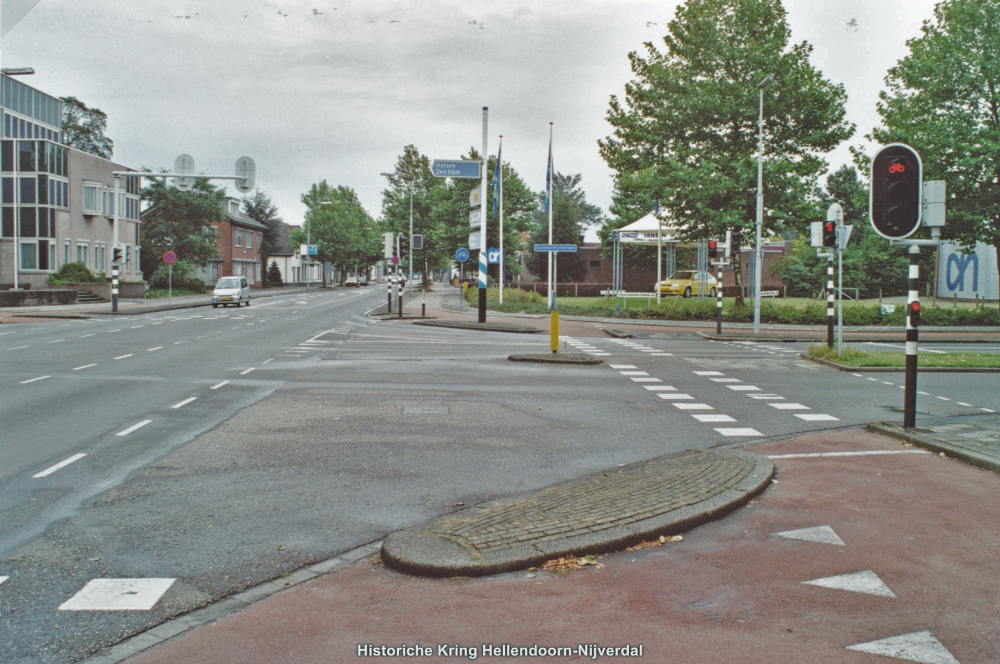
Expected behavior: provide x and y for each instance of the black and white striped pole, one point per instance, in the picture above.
(389, 281)
(116, 258)
(399, 296)
(829, 300)
(912, 334)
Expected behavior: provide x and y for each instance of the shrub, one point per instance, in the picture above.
(183, 278)
(75, 273)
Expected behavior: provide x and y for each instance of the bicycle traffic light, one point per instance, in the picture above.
(896, 204)
(713, 249)
(829, 234)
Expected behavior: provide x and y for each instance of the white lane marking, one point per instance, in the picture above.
(136, 327)
(789, 406)
(725, 380)
(133, 428)
(821, 534)
(859, 582)
(110, 331)
(708, 373)
(623, 366)
(660, 388)
(739, 431)
(118, 595)
(268, 360)
(744, 388)
(816, 417)
(872, 379)
(3, 578)
(885, 382)
(693, 406)
(634, 373)
(661, 354)
(218, 385)
(676, 396)
(61, 464)
(180, 342)
(944, 398)
(122, 357)
(919, 647)
(184, 403)
(988, 410)
(243, 373)
(765, 396)
(926, 394)
(86, 366)
(55, 341)
(17, 347)
(84, 336)
(598, 354)
(962, 403)
(32, 380)
(150, 350)
(709, 417)
(817, 455)
(645, 380)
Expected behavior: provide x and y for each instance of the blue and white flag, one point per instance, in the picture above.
(548, 180)
(496, 184)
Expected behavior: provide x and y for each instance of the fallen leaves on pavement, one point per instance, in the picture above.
(657, 542)
(567, 564)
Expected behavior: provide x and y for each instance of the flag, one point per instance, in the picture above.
(548, 180)
(496, 184)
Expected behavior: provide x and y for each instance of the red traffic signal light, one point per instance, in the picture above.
(896, 204)
(713, 249)
(829, 234)
(915, 314)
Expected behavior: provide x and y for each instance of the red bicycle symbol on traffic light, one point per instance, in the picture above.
(898, 167)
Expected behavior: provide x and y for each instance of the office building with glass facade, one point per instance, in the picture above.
(57, 203)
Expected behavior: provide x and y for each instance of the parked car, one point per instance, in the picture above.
(685, 282)
(231, 290)
(352, 281)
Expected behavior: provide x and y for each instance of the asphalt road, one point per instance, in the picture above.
(334, 430)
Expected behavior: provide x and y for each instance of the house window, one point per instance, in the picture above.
(239, 237)
(66, 252)
(234, 207)
(215, 271)
(260, 239)
(83, 254)
(249, 240)
(93, 198)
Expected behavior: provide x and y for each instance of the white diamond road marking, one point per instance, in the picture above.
(660, 388)
(634, 373)
(675, 395)
(708, 417)
(118, 595)
(693, 406)
(739, 432)
(821, 534)
(789, 406)
(61, 464)
(707, 373)
(646, 380)
(744, 388)
(623, 366)
(858, 582)
(919, 647)
(816, 417)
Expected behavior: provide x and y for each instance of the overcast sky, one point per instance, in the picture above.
(333, 89)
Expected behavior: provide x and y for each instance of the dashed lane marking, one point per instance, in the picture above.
(660, 388)
(184, 403)
(919, 647)
(33, 380)
(243, 373)
(645, 380)
(766, 396)
(86, 366)
(744, 388)
(738, 431)
(676, 396)
(693, 406)
(634, 373)
(55, 341)
(816, 417)
(118, 595)
(866, 582)
(218, 385)
(725, 380)
(622, 366)
(708, 373)
(712, 417)
(821, 534)
(62, 464)
(150, 350)
(789, 406)
(134, 427)
(122, 357)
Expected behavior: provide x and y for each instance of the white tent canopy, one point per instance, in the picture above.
(644, 231)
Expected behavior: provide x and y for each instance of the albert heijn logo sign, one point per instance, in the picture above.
(968, 274)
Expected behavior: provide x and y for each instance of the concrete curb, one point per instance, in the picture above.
(226, 606)
(818, 339)
(934, 444)
(423, 551)
(561, 358)
(844, 367)
(488, 327)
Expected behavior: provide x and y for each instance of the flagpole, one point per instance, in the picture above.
(503, 262)
(549, 183)
(482, 225)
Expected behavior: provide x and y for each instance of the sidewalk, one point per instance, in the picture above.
(861, 549)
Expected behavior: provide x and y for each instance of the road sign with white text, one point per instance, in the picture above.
(475, 241)
(475, 218)
(556, 247)
(441, 168)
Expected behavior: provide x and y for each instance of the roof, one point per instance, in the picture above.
(644, 230)
(244, 220)
(283, 241)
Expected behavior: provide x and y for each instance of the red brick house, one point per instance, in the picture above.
(238, 245)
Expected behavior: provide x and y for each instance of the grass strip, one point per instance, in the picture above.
(857, 358)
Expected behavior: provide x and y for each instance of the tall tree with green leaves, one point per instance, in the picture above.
(686, 132)
(179, 221)
(83, 128)
(344, 232)
(412, 187)
(260, 208)
(943, 99)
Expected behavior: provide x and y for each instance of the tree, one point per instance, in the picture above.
(687, 132)
(179, 221)
(83, 128)
(413, 181)
(571, 214)
(943, 99)
(345, 234)
(274, 275)
(260, 208)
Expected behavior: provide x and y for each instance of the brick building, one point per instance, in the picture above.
(238, 245)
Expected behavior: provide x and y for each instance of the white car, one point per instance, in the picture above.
(231, 290)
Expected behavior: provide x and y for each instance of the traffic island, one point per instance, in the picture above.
(555, 358)
(488, 327)
(604, 512)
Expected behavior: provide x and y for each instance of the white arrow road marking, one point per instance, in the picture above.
(821, 534)
(858, 582)
(118, 595)
(915, 647)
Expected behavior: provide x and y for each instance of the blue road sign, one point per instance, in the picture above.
(441, 168)
(313, 249)
(462, 255)
(556, 247)
(493, 256)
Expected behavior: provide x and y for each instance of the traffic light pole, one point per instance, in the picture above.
(114, 287)
(718, 301)
(912, 334)
(829, 300)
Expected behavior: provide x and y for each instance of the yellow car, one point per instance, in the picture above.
(685, 283)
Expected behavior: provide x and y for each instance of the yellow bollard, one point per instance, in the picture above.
(554, 332)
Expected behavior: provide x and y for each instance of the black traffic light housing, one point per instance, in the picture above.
(713, 249)
(829, 233)
(116, 255)
(896, 191)
(404, 245)
(914, 313)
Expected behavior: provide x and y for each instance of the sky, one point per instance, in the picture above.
(334, 89)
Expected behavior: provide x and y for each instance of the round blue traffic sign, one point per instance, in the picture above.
(462, 255)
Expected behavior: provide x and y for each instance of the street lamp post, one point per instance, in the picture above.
(758, 252)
